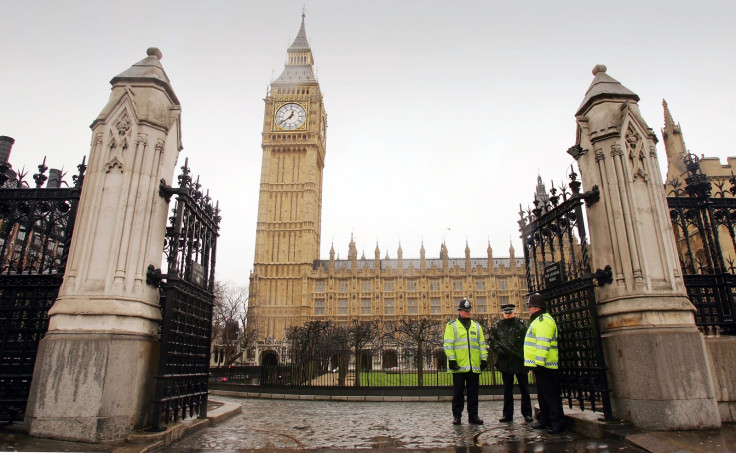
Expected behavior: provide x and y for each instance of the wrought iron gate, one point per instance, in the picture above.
(187, 295)
(705, 233)
(558, 267)
(36, 227)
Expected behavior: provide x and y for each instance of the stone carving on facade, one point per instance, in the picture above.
(636, 156)
(599, 155)
(616, 150)
(117, 149)
(123, 125)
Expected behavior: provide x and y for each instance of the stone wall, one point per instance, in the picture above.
(722, 357)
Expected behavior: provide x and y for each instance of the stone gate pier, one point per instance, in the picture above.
(659, 372)
(94, 375)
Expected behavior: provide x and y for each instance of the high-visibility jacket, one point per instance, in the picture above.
(540, 344)
(467, 347)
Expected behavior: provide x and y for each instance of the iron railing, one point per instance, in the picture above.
(705, 233)
(36, 226)
(393, 368)
(186, 303)
(558, 267)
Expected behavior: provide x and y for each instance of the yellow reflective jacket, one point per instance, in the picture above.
(467, 347)
(540, 344)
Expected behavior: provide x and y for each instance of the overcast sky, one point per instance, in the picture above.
(441, 114)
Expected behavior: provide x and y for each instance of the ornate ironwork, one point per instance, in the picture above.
(187, 297)
(558, 267)
(36, 226)
(704, 226)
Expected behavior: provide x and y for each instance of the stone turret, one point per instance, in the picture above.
(512, 256)
(353, 255)
(467, 256)
(94, 373)
(422, 259)
(377, 260)
(674, 146)
(646, 318)
(445, 258)
(400, 256)
(332, 258)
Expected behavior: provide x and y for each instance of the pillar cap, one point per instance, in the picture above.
(604, 86)
(147, 70)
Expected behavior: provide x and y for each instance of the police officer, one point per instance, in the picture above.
(467, 354)
(507, 341)
(541, 355)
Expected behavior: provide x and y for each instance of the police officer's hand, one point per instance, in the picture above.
(453, 365)
(483, 364)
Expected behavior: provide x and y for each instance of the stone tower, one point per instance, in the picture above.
(290, 203)
(94, 375)
(658, 369)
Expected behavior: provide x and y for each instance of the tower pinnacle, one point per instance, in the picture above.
(298, 68)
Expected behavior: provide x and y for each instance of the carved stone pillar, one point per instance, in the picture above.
(658, 368)
(94, 374)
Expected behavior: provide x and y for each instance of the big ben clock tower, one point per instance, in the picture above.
(290, 199)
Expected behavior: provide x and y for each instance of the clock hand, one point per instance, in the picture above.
(286, 119)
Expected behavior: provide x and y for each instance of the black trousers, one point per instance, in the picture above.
(508, 394)
(461, 382)
(550, 401)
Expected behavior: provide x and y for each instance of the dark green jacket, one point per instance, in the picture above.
(507, 341)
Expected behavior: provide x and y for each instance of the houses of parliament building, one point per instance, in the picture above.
(291, 285)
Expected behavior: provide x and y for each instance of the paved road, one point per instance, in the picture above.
(292, 424)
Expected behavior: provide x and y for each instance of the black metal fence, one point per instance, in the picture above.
(388, 368)
(186, 303)
(704, 226)
(558, 267)
(36, 227)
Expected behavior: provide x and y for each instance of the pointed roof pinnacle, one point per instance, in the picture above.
(669, 123)
(300, 42)
(604, 86)
(148, 69)
(298, 69)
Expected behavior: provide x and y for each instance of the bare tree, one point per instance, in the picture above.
(422, 334)
(361, 334)
(229, 313)
(338, 336)
(307, 342)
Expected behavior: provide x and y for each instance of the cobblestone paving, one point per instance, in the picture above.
(293, 424)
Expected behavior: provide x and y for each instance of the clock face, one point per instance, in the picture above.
(290, 116)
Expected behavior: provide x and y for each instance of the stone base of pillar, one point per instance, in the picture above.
(722, 354)
(660, 378)
(92, 387)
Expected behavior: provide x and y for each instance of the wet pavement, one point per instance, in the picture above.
(269, 424)
(285, 425)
